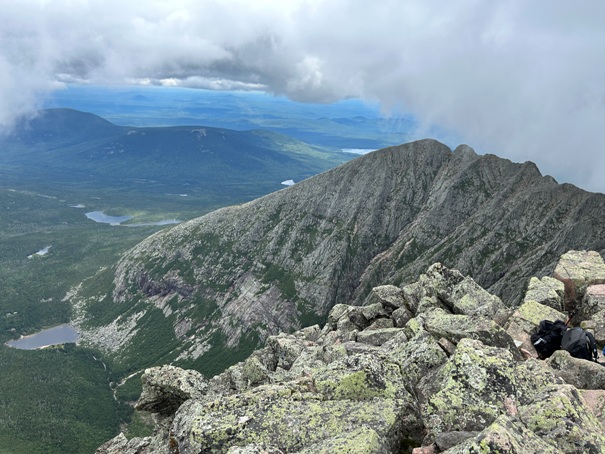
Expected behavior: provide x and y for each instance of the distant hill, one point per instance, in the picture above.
(67, 145)
(217, 285)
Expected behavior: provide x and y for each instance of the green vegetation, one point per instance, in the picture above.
(54, 171)
(220, 357)
(284, 281)
(55, 401)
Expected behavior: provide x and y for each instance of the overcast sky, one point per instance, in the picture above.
(521, 79)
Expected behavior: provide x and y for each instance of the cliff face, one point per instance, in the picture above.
(284, 260)
(431, 367)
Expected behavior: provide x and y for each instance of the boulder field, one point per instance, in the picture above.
(437, 366)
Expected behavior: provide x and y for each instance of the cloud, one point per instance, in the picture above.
(519, 79)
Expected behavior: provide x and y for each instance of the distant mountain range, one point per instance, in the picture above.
(206, 292)
(64, 145)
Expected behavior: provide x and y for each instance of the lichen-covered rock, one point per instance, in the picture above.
(559, 416)
(455, 327)
(470, 390)
(287, 423)
(447, 440)
(422, 377)
(165, 388)
(350, 318)
(310, 333)
(591, 311)
(577, 270)
(381, 323)
(505, 435)
(360, 441)
(255, 449)
(360, 377)
(595, 402)
(121, 445)
(547, 291)
(401, 316)
(249, 373)
(462, 294)
(387, 295)
(416, 356)
(286, 349)
(378, 336)
(581, 373)
(526, 319)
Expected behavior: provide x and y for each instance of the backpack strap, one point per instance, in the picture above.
(592, 346)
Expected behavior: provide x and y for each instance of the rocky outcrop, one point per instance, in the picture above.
(449, 377)
(578, 270)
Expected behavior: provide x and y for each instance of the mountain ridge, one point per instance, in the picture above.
(67, 147)
(283, 260)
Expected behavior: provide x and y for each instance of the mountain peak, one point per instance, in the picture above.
(287, 258)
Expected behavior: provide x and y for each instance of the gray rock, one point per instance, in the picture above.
(416, 356)
(448, 440)
(447, 381)
(286, 349)
(559, 417)
(378, 336)
(547, 291)
(581, 373)
(526, 319)
(400, 317)
(381, 323)
(456, 327)
(470, 391)
(505, 435)
(461, 294)
(255, 449)
(272, 417)
(592, 309)
(165, 388)
(389, 296)
(577, 270)
(121, 445)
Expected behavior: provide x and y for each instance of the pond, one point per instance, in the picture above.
(99, 216)
(61, 334)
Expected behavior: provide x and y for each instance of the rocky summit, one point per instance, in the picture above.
(243, 273)
(436, 366)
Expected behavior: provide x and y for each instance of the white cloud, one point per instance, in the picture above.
(516, 78)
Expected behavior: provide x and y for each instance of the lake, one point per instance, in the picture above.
(99, 216)
(61, 334)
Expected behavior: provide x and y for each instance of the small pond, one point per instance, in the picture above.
(99, 216)
(61, 334)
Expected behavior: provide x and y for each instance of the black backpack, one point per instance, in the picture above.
(547, 337)
(580, 344)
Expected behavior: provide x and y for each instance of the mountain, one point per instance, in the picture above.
(65, 146)
(211, 289)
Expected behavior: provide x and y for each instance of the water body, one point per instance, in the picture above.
(164, 222)
(99, 216)
(41, 252)
(58, 335)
